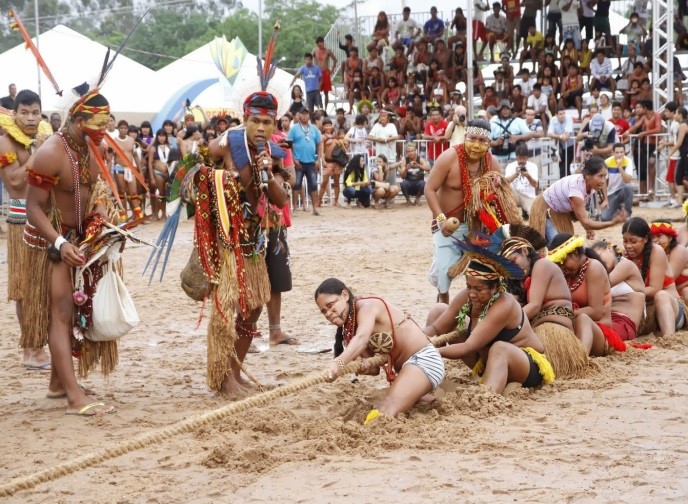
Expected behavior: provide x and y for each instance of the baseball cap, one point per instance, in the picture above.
(596, 123)
(506, 103)
(482, 114)
(492, 110)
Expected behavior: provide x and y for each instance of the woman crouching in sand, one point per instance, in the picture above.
(498, 342)
(588, 282)
(627, 290)
(369, 325)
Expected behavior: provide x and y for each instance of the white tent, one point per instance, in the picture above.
(195, 77)
(73, 58)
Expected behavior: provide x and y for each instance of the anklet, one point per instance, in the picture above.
(274, 327)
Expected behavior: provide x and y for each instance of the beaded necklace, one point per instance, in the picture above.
(465, 176)
(468, 307)
(349, 328)
(575, 281)
(81, 172)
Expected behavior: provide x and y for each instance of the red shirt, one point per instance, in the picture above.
(512, 8)
(621, 125)
(436, 148)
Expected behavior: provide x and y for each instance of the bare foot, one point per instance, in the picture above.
(316, 212)
(277, 337)
(59, 392)
(247, 384)
(232, 388)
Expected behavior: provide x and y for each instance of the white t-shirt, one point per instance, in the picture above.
(557, 195)
(588, 11)
(673, 136)
(496, 24)
(614, 179)
(538, 104)
(358, 135)
(388, 149)
(478, 14)
(520, 183)
(526, 86)
(408, 28)
(569, 17)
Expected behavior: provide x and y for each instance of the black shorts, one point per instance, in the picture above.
(534, 378)
(587, 23)
(570, 100)
(278, 261)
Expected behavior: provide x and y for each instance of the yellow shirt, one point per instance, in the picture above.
(352, 178)
(585, 58)
(536, 40)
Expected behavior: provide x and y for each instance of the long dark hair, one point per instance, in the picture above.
(157, 134)
(640, 228)
(355, 167)
(593, 165)
(335, 287)
(516, 287)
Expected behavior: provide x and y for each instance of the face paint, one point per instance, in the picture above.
(94, 126)
(476, 146)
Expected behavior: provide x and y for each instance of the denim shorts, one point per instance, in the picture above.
(307, 169)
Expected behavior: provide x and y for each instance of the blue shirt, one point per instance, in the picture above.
(306, 142)
(311, 76)
(514, 126)
(433, 26)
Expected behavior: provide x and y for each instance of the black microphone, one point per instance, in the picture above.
(260, 147)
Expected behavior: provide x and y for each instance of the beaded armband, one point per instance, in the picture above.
(41, 180)
(7, 159)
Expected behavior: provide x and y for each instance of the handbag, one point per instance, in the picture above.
(339, 156)
(194, 281)
(113, 310)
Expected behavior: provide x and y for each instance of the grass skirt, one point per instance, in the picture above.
(221, 331)
(16, 262)
(36, 298)
(563, 222)
(648, 324)
(564, 351)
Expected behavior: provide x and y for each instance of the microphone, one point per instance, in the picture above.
(260, 147)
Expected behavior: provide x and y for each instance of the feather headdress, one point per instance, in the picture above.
(481, 262)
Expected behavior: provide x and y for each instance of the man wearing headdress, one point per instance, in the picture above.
(239, 194)
(448, 192)
(64, 197)
(25, 132)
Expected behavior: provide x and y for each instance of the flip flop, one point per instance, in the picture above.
(85, 410)
(32, 366)
(60, 395)
(287, 341)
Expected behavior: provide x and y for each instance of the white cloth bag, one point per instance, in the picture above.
(114, 313)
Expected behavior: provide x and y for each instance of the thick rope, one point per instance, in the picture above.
(189, 424)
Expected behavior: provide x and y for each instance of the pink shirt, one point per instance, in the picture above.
(557, 195)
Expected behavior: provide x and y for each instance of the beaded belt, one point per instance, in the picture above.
(17, 212)
(33, 238)
(554, 310)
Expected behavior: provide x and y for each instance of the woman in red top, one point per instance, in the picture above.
(666, 236)
(664, 306)
(590, 293)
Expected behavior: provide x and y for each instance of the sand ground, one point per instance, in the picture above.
(615, 436)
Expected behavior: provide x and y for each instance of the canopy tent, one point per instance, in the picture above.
(196, 78)
(73, 59)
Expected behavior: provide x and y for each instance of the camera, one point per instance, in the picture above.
(462, 118)
(588, 144)
(523, 169)
(507, 136)
(290, 143)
